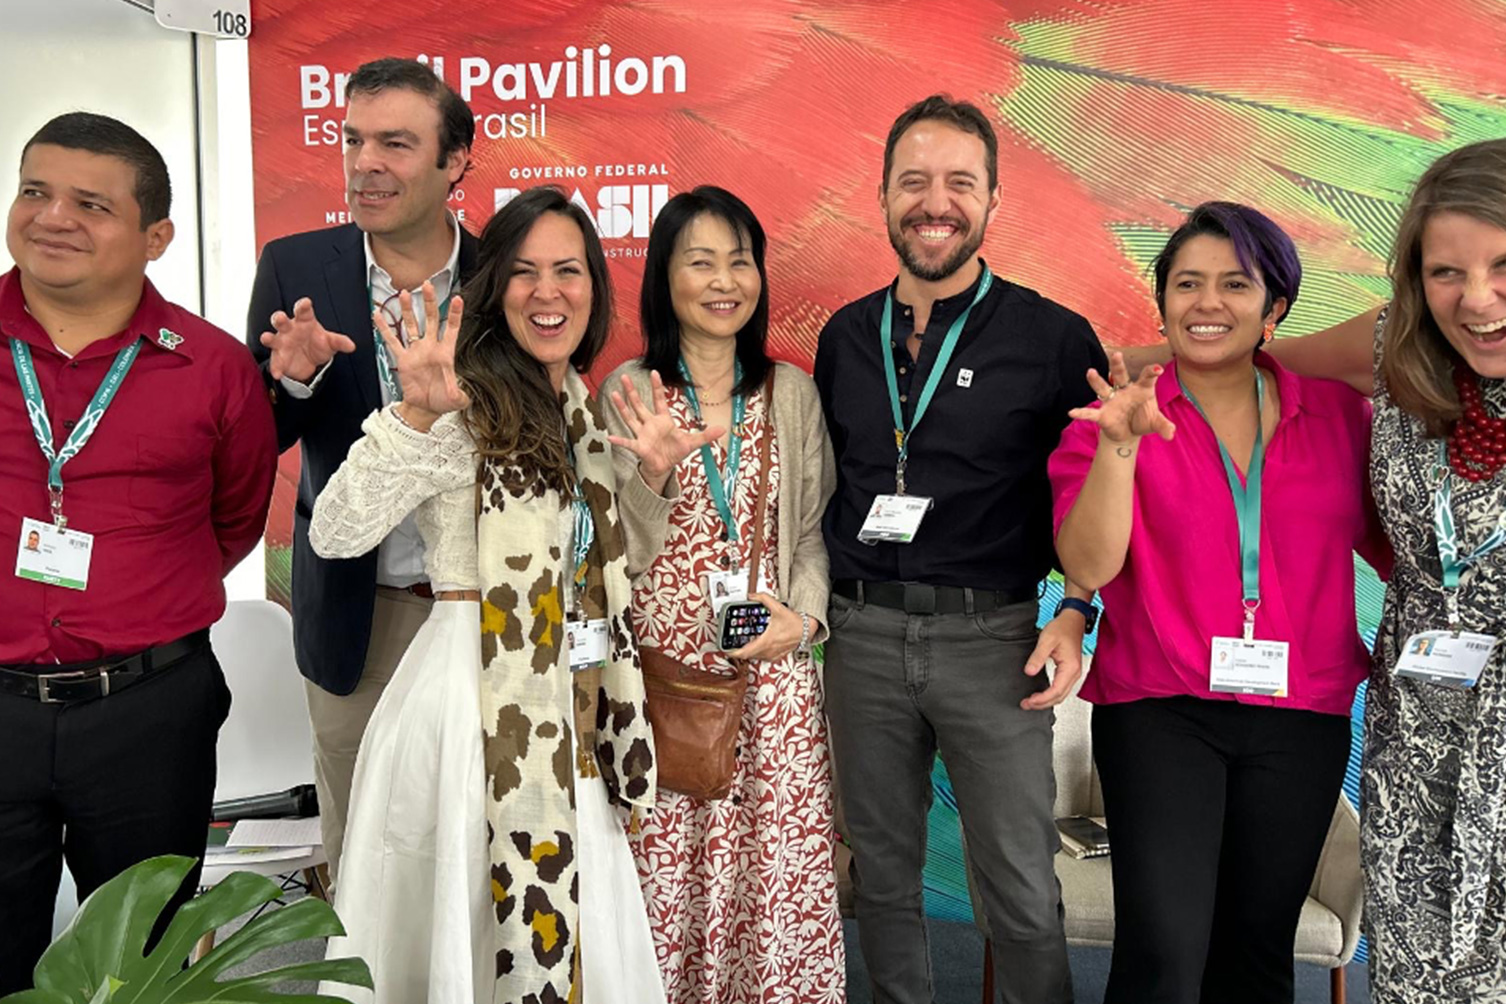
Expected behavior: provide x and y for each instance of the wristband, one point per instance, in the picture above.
(1089, 611)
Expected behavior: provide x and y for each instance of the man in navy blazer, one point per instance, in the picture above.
(407, 145)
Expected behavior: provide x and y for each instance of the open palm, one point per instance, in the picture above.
(657, 441)
(1127, 410)
(426, 365)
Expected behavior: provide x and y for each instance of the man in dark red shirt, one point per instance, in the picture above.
(137, 449)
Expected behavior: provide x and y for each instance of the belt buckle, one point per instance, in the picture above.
(920, 598)
(44, 693)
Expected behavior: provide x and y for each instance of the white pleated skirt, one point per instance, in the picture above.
(415, 880)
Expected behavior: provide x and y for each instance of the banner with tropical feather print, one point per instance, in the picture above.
(1114, 117)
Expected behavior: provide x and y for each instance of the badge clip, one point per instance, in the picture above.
(55, 498)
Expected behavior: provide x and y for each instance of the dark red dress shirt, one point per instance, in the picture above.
(174, 484)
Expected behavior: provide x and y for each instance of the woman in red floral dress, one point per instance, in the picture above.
(741, 891)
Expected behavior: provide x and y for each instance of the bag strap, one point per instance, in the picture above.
(764, 449)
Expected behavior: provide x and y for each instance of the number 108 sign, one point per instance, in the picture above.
(222, 18)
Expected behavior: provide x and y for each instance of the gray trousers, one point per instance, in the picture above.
(899, 689)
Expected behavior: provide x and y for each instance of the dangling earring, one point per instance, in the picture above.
(1161, 328)
(1270, 331)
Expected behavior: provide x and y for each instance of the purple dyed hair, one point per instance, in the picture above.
(1263, 249)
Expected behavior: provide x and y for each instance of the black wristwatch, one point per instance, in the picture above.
(1089, 611)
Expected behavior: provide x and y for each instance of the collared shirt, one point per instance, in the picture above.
(400, 556)
(174, 484)
(980, 451)
(1181, 584)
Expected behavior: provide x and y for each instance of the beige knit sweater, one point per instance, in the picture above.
(807, 479)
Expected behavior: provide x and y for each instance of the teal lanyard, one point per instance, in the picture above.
(1449, 559)
(1246, 501)
(583, 534)
(721, 483)
(385, 368)
(36, 408)
(902, 433)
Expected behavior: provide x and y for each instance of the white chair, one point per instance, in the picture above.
(67, 903)
(265, 745)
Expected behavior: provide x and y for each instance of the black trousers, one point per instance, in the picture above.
(103, 783)
(1217, 815)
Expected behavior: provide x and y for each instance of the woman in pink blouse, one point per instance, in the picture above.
(1216, 504)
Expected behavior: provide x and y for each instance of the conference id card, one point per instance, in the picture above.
(54, 556)
(894, 519)
(730, 587)
(1249, 667)
(1445, 658)
(587, 641)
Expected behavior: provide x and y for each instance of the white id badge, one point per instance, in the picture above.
(1445, 658)
(1248, 667)
(52, 556)
(894, 519)
(730, 587)
(588, 643)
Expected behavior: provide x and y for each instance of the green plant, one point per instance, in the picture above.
(101, 957)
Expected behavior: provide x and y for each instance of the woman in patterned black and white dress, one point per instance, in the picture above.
(1433, 841)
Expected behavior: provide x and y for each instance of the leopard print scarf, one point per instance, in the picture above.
(541, 722)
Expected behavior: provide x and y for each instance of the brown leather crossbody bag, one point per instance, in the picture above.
(696, 714)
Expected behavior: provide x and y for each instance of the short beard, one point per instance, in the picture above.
(948, 266)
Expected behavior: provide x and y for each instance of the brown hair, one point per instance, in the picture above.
(1417, 362)
(963, 115)
(514, 415)
(457, 126)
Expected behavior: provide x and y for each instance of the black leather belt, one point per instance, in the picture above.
(920, 598)
(87, 681)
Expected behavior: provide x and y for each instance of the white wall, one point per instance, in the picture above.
(229, 239)
(111, 57)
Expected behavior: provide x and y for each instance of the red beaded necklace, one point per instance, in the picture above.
(1477, 446)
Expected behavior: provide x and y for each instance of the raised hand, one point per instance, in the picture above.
(655, 439)
(426, 365)
(1128, 410)
(300, 344)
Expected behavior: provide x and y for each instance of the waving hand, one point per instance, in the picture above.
(426, 365)
(1129, 410)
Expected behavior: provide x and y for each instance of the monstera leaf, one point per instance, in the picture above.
(101, 956)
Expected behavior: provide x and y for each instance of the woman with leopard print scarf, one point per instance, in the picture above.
(486, 859)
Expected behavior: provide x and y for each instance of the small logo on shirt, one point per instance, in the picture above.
(169, 339)
(965, 378)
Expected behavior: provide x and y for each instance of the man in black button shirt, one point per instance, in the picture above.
(958, 397)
